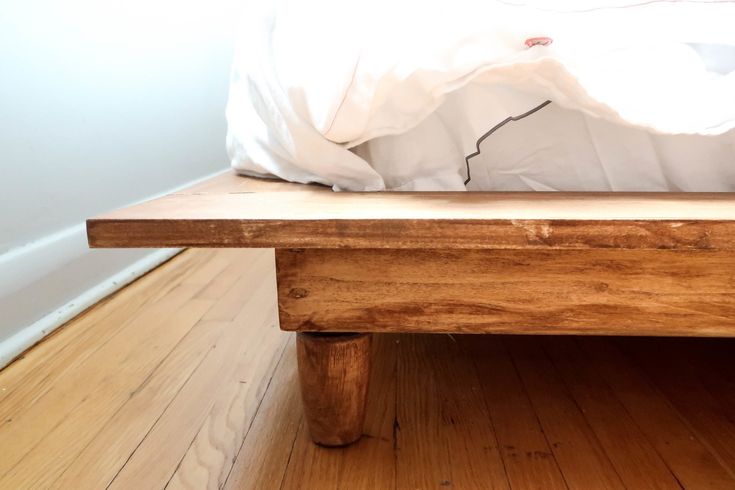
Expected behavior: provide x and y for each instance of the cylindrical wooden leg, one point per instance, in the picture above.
(334, 370)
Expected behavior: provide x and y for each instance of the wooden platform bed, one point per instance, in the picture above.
(349, 264)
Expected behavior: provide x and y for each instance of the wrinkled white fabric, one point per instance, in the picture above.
(395, 95)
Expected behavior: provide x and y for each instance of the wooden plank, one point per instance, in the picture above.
(77, 379)
(241, 262)
(212, 452)
(633, 456)
(441, 419)
(71, 417)
(252, 213)
(266, 449)
(641, 292)
(113, 444)
(253, 342)
(694, 465)
(230, 304)
(38, 370)
(55, 402)
(709, 419)
(141, 417)
(91, 443)
(528, 459)
(581, 458)
(712, 361)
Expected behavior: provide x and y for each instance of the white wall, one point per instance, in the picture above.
(102, 103)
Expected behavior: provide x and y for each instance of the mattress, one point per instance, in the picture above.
(487, 95)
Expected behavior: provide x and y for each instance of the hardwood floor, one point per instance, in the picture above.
(183, 380)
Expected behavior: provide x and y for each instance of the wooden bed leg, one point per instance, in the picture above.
(334, 369)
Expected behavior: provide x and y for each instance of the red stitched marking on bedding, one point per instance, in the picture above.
(538, 41)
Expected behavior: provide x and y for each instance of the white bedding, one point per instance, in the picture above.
(395, 95)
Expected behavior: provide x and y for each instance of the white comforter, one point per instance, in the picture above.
(395, 95)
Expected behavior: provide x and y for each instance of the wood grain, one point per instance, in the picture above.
(334, 371)
(77, 419)
(580, 455)
(241, 212)
(233, 368)
(114, 442)
(114, 389)
(527, 456)
(38, 370)
(706, 415)
(266, 449)
(687, 456)
(441, 419)
(123, 359)
(369, 463)
(632, 455)
(634, 292)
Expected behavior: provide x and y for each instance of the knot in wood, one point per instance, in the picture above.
(298, 293)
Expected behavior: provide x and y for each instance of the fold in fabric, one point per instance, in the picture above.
(396, 95)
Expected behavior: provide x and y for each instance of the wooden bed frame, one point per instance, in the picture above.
(349, 264)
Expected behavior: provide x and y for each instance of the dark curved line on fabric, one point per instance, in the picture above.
(495, 128)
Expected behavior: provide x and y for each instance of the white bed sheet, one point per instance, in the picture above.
(395, 95)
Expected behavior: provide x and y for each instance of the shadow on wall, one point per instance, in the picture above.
(103, 104)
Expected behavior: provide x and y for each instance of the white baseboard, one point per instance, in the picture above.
(15, 345)
(45, 283)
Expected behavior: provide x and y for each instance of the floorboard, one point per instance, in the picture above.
(183, 380)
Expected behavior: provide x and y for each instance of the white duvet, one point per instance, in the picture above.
(403, 95)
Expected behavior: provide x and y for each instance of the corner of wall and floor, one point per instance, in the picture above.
(48, 282)
(101, 106)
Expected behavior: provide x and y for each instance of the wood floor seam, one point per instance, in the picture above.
(183, 381)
